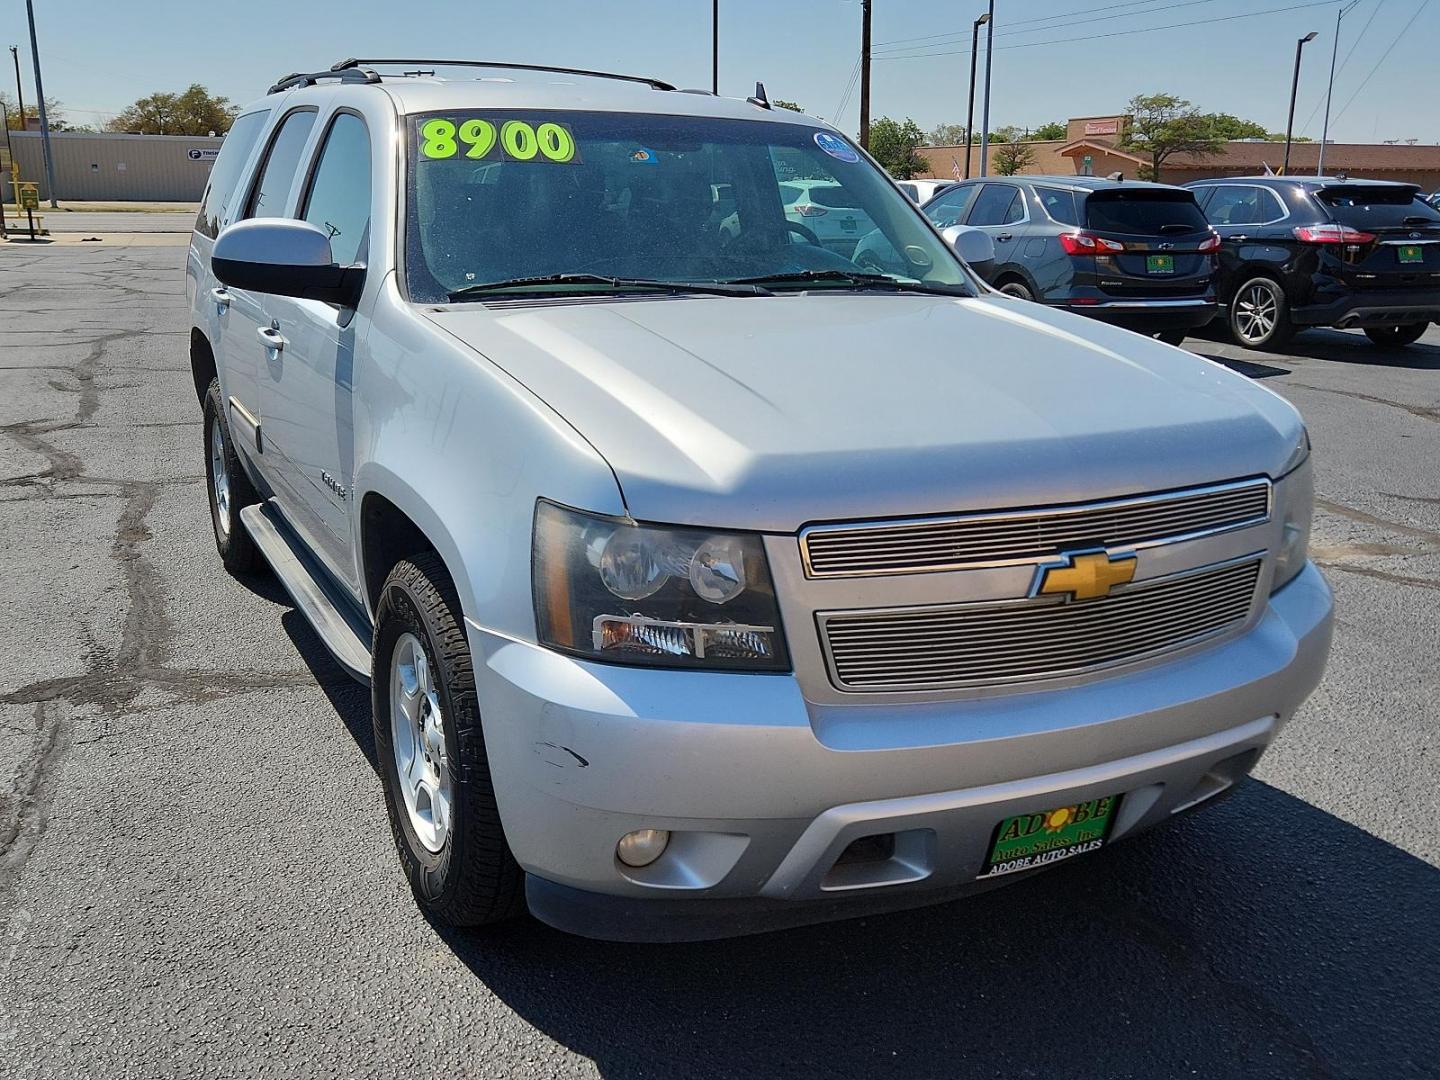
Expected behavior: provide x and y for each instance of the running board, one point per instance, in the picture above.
(309, 586)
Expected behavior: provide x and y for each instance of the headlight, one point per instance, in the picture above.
(652, 594)
(1295, 498)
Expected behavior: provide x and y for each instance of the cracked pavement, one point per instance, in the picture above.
(196, 876)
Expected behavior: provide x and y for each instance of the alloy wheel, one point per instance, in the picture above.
(417, 738)
(219, 478)
(1256, 312)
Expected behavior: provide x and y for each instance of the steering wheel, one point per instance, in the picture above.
(803, 231)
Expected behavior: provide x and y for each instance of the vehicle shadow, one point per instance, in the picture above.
(1262, 938)
(1323, 344)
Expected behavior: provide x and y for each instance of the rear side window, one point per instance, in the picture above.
(339, 197)
(949, 207)
(1059, 204)
(1243, 204)
(1378, 206)
(225, 173)
(1143, 213)
(281, 162)
(996, 205)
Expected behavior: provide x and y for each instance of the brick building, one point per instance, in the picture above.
(1091, 148)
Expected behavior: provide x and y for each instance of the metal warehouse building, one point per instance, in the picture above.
(103, 167)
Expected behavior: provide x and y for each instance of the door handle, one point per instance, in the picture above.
(271, 338)
(1237, 236)
(1004, 236)
(221, 297)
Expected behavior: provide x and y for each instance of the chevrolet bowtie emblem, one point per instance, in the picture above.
(1085, 577)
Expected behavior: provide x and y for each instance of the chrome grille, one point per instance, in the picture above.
(952, 543)
(973, 644)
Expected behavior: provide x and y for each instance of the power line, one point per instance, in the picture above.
(849, 89)
(1341, 69)
(1423, 5)
(1027, 22)
(1124, 33)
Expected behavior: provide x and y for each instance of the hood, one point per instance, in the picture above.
(769, 413)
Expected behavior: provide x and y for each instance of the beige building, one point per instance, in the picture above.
(105, 167)
(1091, 148)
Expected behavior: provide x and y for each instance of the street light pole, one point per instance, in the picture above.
(1294, 87)
(970, 106)
(715, 47)
(1330, 88)
(40, 93)
(985, 111)
(19, 85)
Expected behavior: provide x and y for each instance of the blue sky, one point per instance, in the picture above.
(805, 50)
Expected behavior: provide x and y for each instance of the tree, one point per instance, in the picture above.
(1008, 133)
(1051, 132)
(895, 145)
(194, 112)
(781, 103)
(54, 113)
(1227, 127)
(1012, 157)
(947, 135)
(1163, 125)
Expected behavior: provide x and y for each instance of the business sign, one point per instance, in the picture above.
(203, 155)
(1102, 127)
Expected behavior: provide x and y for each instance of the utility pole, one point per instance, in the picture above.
(40, 93)
(1330, 88)
(1294, 88)
(970, 103)
(19, 85)
(715, 47)
(985, 112)
(865, 74)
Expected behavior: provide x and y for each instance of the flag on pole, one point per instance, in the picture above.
(955, 169)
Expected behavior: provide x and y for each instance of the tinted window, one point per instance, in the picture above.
(1377, 207)
(1143, 212)
(949, 208)
(281, 162)
(1059, 204)
(836, 197)
(225, 173)
(995, 206)
(339, 199)
(1240, 204)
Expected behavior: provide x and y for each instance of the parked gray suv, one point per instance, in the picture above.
(705, 580)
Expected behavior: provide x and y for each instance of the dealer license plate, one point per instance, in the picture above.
(1411, 253)
(1028, 841)
(1160, 264)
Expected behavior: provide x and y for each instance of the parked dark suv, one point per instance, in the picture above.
(1323, 251)
(1140, 255)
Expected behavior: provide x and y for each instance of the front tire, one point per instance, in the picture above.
(229, 488)
(1017, 289)
(1259, 315)
(430, 747)
(1396, 337)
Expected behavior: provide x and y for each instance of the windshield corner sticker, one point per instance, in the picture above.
(641, 156)
(511, 140)
(836, 147)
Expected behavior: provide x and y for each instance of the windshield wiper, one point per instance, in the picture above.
(717, 288)
(847, 277)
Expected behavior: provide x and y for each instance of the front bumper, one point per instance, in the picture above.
(763, 790)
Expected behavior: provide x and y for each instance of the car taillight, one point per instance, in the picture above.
(1332, 234)
(1210, 243)
(1080, 243)
(810, 210)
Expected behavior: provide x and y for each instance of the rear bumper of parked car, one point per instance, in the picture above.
(1148, 316)
(763, 790)
(1370, 307)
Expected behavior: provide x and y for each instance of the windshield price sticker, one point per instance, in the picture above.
(511, 140)
(836, 147)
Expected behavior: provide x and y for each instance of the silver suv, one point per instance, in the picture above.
(705, 580)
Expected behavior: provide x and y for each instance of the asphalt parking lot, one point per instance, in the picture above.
(196, 876)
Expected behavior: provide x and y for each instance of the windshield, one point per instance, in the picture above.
(630, 200)
(1144, 213)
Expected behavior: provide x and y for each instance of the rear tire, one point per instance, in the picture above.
(1017, 289)
(229, 489)
(1172, 337)
(1396, 337)
(430, 747)
(1259, 315)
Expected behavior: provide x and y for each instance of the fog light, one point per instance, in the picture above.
(642, 847)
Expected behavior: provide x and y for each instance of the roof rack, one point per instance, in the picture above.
(356, 63)
(352, 74)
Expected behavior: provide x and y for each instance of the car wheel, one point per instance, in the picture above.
(1260, 314)
(1396, 337)
(229, 488)
(1172, 337)
(1017, 289)
(431, 752)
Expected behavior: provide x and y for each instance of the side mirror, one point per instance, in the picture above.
(974, 247)
(285, 258)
